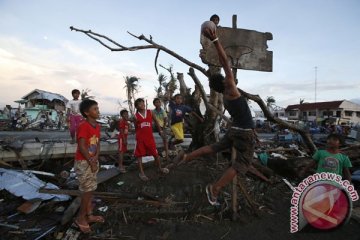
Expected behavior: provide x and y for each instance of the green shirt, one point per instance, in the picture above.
(333, 163)
(160, 116)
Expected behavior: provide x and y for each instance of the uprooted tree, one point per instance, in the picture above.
(202, 134)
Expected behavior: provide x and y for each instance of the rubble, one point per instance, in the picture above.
(27, 185)
(167, 207)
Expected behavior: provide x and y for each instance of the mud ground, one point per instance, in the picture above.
(189, 216)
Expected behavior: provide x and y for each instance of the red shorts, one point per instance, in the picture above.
(122, 146)
(145, 148)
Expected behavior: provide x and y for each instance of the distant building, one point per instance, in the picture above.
(277, 111)
(43, 99)
(337, 112)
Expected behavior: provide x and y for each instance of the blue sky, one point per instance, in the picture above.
(38, 50)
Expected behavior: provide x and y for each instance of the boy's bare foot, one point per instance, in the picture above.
(122, 169)
(95, 219)
(180, 158)
(143, 177)
(84, 227)
(164, 170)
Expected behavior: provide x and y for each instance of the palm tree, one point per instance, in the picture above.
(162, 84)
(85, 94)
(132, 87)
(270, 102)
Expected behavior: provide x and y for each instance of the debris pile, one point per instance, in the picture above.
(42, 205)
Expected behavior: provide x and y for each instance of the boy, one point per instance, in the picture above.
(162, 119)
(239, 135)
(123, 135)
(215, 19)
(178, 111)
(145, 143)
(73, 114)
(331, 160)
(86, 162)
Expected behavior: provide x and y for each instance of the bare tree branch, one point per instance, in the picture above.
(304, 134)
(156, 58)
(154, 45)
(198, 83)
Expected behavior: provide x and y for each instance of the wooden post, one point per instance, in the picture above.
(234, 26)
(234, 202)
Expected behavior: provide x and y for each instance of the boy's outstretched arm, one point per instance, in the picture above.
(229, 81)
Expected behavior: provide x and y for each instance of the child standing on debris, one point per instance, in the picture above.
(331, 160)
(178, 111)
(145, 143)
(122, 138)
(87, 162)
(162, 119)
(73, 114)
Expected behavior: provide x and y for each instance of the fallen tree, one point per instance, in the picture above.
(209, 116)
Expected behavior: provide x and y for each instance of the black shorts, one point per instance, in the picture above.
(243, 141)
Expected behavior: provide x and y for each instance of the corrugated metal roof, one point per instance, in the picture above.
(313, 106)
(27, 185)
(46, 95)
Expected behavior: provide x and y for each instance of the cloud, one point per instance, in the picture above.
(25, 67)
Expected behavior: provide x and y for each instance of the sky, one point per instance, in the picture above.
(38, 50)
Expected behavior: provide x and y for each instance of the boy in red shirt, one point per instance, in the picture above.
(123, 134)
(145, 143)
(86, 162)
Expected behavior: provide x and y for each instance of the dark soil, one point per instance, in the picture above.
(189, 215)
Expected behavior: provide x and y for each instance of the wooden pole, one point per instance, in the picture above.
(234, 201)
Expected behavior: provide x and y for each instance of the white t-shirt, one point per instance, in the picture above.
(73, 105)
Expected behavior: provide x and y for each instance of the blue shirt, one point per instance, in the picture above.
(240, 112)
(178, 112)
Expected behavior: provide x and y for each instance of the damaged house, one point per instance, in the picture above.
(39, 101)
(40, 98)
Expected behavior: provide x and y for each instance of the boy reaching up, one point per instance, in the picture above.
(178, 111)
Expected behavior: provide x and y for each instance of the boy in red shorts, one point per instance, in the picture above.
(86, 162)
(123, 135)
(145, 143)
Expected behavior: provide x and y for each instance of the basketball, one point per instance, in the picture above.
(207, 24)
